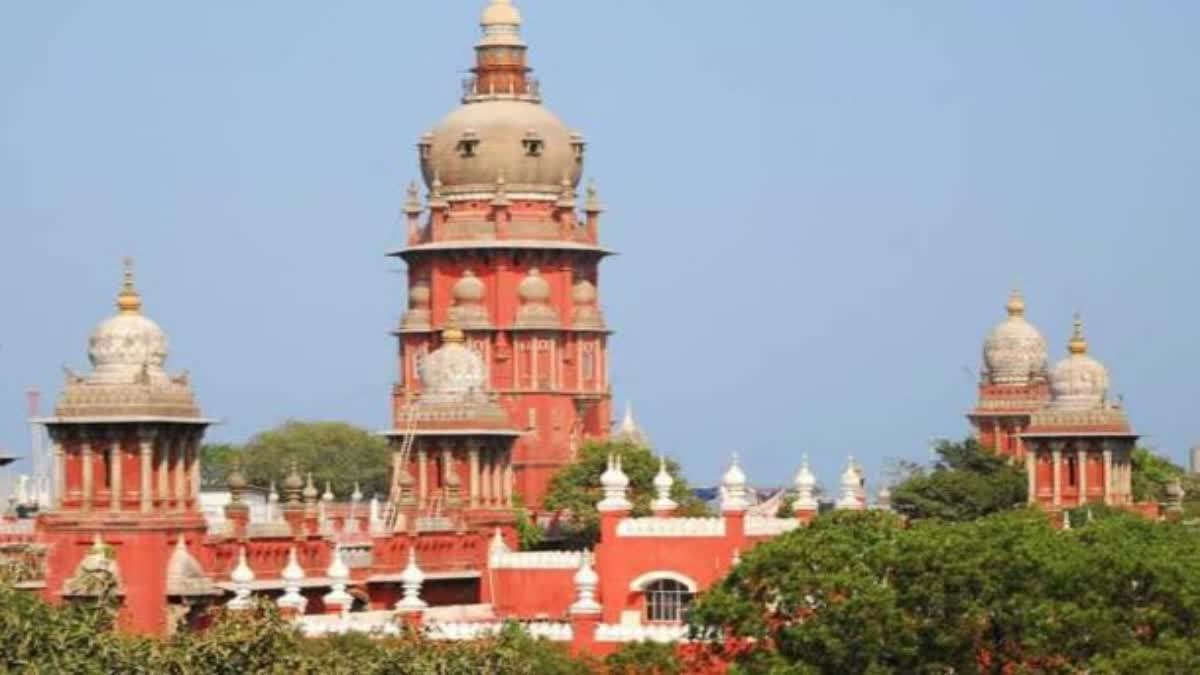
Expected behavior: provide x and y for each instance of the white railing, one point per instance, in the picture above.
(535, 560)
(661, 633)
(384, 624)
(671, 527)
(24, 526)
(455, 631)
(770, 527)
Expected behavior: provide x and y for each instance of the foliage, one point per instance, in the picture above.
(787, 507)
(216, 461)
(858, 592)
(1151, 475)
(335, 452)
(575, 489)
(644, 658)
(529, 535)
(967, 481)
(40, 638)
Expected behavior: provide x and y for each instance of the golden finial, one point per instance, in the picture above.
(128, 300)
(1016, 303)
(1078, 343)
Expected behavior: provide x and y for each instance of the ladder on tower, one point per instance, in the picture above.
(408, 437)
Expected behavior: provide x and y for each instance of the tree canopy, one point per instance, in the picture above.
(967, 481)
(863, 593)
(575, 490)
(335, 452)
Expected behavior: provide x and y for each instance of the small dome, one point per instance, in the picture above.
(804, 477)
(451, 371)
(734, 477)
(663, 480)
(418, 295)
(469, 288)
(126, 344)
(500, 13)
(1015, 350)
(850, 477)
(1078, 381)
(483, 140)
(613, 477)
(583, 293)
(534, 287)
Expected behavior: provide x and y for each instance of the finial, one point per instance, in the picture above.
(128, 300)
(452, 334)
(1078, 343)
(412, 206)
(500, 13)
(1016, 303)
(593, 198)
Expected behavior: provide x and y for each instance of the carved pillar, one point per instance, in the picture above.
(86, 469)
(498, 478)
(162, 487)
(115, 469)
(508, 481)
(1081, 462)
(473, 482)
(422, 475)
(180, 466)
(487, 477)
(146, 452)
(1108, 468)
(1031, 476)
(194, 464)
(60, 469)
(1056, 458)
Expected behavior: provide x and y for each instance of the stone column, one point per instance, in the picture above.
(162, 486)
(422, 475)
(146, 452)
(60, 470)
(508, 481)
(180, 492)
(1031, 475)
(486, 479)
(498, 479)
(1056, 457)
(194, 459)
(1081, 461)
(86, 470)
(473, 459)
(115, 469)
(1108, 468)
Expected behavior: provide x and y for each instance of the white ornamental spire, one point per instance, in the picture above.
(851, 485)
(614, 483)
(663, 482)
(292, 576)
(806, 484)
(586, 581)
(241, 577)
(733, 484)
(339, 577)
(411, 579)
(497, 544)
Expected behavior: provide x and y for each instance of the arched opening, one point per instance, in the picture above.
(667, 601)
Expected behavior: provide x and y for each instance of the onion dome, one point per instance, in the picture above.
(468, 310)
(310, 493)
(614, 484)
(663, 482)
(586, 580)
(587, 315)
(242, 574)
(452, 372)
(411, 580)
(128, 352)
(733, 488)
(806, 484)
(418, 315)
(1078, 382)
(1015, 351)
(851, 484)
(535, 310)
(293, 485)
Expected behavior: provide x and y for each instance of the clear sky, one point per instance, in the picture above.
(821, 207)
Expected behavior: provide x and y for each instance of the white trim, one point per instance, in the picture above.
(639, 584)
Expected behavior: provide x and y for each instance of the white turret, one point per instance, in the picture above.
(615, 485)
(242, 577)
(806, 486)
(733, 484)
(497, 544)
(339, 576)
(292, 576)
(851, 485)
(884, 500)
(586, 581)
(663, 482)
(411, 579)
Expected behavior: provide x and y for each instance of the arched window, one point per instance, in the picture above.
(667, 600)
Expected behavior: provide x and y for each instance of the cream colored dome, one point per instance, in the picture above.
(518, 141)
(1079, 381)
(469, 288)
(125, 346)
(453, 371)
(418, 295)
(584, 292)
(534, 287)
(500, 13)
(1015, 351)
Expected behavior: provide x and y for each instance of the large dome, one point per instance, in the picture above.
(453, 372)
(1078, 381)
(518, 141)
(1015, 351)
(128, 344)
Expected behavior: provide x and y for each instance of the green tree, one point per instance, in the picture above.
(575, 490)
(1151, 475)
(644, 658)
(862, 593)
(967, 481)
(335, 452)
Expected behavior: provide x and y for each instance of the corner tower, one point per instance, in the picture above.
(500, 250)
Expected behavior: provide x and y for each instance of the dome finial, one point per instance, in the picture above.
(500, 13)
(128, 300)
(1016, 303)
(452, 334)
(1078, 343)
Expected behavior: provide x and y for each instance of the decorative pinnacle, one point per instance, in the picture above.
(128, 300)
(1078, 343)
(593, 198)
(1016, 303)
(412, 206)
(452, 334)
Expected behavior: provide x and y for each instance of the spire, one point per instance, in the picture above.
(593, 204)
(851, 484)
(412, 205)
(806, 484)
(614, 484)
(411, 580)
(586, 581)
(1078, 343)
(292, 575)
(339, 576)
(663, 482)
(1016, 303)
(241, 577)
(500, 68)
(129, 301)
(733, 484)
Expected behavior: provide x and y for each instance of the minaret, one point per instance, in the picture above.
(499, 251)
(126, 442)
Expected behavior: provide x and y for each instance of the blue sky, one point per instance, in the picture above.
(821, 207)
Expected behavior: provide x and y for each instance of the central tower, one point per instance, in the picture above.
(500, 250)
